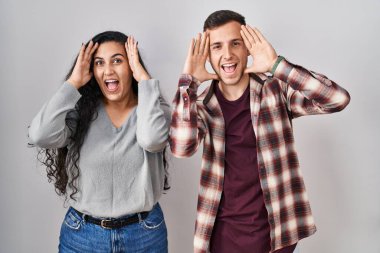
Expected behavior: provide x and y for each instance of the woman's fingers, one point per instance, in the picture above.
(127, 47)
(81, 53)
(93, 49)
(88, 50)
(131, 48)
(139, 73)
(135, 49)
(131, 42)
(212, 77)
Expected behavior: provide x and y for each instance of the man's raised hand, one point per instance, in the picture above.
(195, 64)
(263, 54)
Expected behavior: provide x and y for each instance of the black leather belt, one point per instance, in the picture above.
(114, 223)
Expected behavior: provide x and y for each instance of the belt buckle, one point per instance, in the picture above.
(104, 226)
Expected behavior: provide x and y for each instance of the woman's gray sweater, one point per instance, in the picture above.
(121, 169)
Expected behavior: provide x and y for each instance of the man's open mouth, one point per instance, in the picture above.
(229, 68)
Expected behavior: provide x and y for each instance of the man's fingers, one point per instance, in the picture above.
(213, 76)
(259, 34)
(207, 46)
(253, 34)
(191, 48)
(245, 39)
(197, 44)
(248, 36)
(203, 42)
(249, 70)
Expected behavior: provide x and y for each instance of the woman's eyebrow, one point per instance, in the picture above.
(118, 54)
(113, 56)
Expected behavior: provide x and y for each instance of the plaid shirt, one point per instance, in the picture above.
(274, 101)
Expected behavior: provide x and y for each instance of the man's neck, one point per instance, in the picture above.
(234, 91)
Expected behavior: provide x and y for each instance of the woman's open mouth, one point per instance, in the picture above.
(112, 85)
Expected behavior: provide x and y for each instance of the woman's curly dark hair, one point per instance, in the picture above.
(62, 163)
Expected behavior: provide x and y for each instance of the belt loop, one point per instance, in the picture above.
(84, 219)
(139, 215)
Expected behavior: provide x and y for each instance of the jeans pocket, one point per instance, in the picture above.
(72, 220)
(154, 220)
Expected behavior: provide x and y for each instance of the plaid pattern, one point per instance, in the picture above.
(292, 92)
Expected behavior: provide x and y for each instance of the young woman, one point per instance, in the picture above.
(102, 137)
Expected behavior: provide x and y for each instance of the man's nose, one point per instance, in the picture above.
(227, 54)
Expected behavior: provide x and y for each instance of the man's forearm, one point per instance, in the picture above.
(186, 129)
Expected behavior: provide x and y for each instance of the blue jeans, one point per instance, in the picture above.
(148, 235)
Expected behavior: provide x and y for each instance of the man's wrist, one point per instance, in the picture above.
(278, 60)
(192, 78)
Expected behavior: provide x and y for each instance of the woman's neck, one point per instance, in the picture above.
(126, 104)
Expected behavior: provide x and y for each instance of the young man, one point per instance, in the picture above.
(252, 196)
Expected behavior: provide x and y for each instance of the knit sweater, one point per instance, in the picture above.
(121, 169)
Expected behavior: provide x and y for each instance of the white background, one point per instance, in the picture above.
(339, 153)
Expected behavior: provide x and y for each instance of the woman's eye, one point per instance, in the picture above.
(98, 63)
(117, 60)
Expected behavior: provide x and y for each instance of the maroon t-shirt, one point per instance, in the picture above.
(241, 224)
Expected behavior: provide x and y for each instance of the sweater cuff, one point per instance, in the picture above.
(149, 87)
(69, 93)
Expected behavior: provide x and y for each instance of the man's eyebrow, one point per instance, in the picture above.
(215, 43)
(233, 40)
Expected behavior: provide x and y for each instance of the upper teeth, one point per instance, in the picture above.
(110, 81)
(228, 65)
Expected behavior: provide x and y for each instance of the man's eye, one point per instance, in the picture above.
(215, 47)
(236, 43)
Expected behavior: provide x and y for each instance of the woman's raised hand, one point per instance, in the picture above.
(139, 73)
(81, 73)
